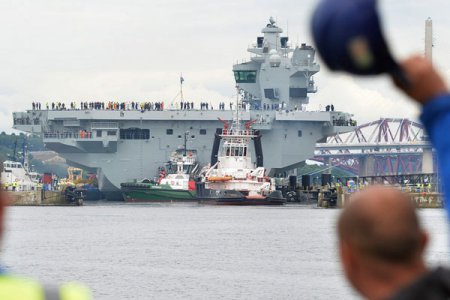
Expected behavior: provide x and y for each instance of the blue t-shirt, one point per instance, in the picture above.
(436, 119)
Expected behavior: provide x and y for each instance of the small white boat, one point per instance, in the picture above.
(15, 177)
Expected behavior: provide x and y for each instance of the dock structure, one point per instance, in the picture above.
(332, 192)
(421, 200)
(40, 198)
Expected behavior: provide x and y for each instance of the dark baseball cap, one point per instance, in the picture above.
(348, 37)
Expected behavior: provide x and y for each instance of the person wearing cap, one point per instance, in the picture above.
(348, 37)
(381, 244)
(13, 287)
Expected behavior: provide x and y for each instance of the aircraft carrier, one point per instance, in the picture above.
(129, 143)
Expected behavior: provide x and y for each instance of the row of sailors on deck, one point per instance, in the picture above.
(272, 106)
(110, 105)
(186, 105)
(134, 105)
(344, 122)
(159, 105)
(26, 121)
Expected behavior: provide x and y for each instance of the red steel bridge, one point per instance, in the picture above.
(383, 147)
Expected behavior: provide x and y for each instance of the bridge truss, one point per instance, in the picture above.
(384, 147)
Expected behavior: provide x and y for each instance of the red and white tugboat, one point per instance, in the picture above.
(235, 179)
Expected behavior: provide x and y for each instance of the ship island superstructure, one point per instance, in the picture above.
(122, 144)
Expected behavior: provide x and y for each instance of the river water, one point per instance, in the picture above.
(186, 251)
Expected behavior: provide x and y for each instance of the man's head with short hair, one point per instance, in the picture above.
(380, 240)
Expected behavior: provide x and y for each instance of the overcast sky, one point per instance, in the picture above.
(56, 50)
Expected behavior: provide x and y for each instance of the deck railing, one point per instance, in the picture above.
(238, 132)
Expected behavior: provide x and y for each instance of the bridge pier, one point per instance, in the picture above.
(366, 165)
(427, 161)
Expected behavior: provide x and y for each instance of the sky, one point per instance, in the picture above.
(102, 50)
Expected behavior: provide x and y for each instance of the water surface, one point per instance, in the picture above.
(186, 251)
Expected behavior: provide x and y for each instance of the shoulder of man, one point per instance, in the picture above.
(14, 287)
(433, 285)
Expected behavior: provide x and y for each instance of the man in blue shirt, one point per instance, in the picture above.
(428, 88)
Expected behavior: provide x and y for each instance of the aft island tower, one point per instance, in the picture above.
(277, 75)
(124, 144)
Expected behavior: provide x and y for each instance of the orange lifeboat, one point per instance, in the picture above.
(219, 179)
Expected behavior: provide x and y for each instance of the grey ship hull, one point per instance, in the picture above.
(288, 138)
